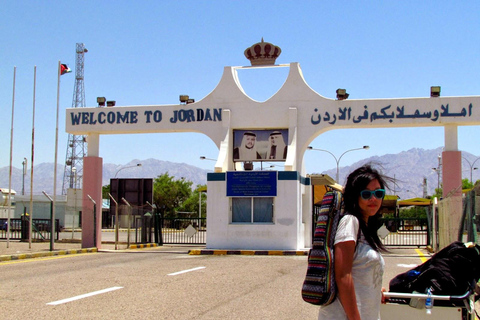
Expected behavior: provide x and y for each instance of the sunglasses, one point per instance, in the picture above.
(367, 194)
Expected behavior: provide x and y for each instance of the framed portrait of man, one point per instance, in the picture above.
(260, 145)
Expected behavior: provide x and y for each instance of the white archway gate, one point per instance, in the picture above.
(301, 114)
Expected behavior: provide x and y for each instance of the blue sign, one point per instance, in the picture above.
(251, 184)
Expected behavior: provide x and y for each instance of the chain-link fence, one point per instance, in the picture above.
(470, 221)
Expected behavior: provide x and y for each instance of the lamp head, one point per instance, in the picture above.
(342, 94)
(435, 91)
(101, 101)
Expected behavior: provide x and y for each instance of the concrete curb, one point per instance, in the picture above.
(248, 252)
(41, 254)
(141, 246)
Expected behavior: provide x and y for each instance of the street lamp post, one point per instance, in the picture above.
(24, 164)
(137, 165)
(205, 158)
(438, 170)
(471, 168)
(337, 160)
(74, 171)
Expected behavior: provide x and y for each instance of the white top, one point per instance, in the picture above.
(367, 272)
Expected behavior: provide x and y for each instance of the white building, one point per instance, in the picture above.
(7, 203)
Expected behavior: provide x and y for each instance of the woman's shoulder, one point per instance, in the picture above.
(347, 229)
(348, 218)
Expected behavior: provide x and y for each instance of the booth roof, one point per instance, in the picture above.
(414, 202)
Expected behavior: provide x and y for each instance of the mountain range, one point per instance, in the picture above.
(408, 168)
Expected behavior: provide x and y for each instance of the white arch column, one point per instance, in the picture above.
(92, 186)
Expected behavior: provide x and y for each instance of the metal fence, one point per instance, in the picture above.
(406, 232)
(470, 221)
(19, 229)
(402, 232)
(184, 230)
(148, 228)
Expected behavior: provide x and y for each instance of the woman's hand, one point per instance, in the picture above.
(384, 299)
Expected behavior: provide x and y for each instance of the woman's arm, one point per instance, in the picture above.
(344, 252)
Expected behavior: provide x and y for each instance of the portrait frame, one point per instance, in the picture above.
(244, 151)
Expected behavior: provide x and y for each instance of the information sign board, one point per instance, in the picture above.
(251, 184)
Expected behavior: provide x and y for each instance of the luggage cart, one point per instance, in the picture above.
(402, 306)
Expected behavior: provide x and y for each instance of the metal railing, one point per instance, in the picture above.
(19, 228)
(184, 230)
(403, 232)
(148, 228)
(406, 232)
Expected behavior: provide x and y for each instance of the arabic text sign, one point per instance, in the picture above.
(251, 184)
(387, 113)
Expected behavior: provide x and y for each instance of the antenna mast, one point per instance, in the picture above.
(77, 145)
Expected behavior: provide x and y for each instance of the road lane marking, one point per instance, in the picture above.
(185, 271)
(413, 265)
(421, 255)
(54, 303)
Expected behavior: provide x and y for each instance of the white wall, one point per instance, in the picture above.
(285, 233)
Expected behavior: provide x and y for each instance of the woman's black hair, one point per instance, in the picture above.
(356, 182)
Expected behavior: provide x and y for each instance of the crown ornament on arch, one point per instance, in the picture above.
(262, 53)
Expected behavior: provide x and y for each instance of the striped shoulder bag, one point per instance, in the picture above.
(319, 285)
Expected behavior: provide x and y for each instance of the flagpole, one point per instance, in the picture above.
(31, 162)
(55, 163)
(11, 154)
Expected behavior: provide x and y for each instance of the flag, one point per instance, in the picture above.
(64, 69)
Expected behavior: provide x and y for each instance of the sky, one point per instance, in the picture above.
(150, 52)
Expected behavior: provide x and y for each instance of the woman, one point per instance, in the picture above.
(358, 262)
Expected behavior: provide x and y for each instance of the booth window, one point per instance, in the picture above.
(252, 210)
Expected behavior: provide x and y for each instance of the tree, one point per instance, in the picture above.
(192, 203)
(170, 194)
(438, 193)
(413, 212)
(466, 184)
(105, 192)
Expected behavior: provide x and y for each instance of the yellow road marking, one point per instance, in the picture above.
(2, 263)
(421, 255)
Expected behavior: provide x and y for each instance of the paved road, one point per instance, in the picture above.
(145, 284)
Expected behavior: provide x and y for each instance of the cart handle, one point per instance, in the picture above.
(466, 298)
(424, 296)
